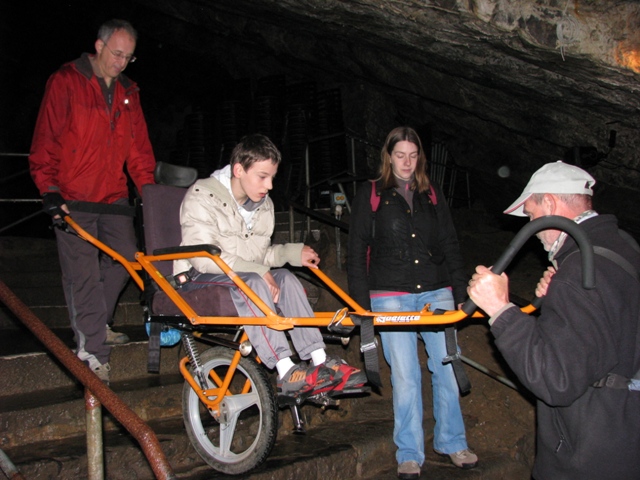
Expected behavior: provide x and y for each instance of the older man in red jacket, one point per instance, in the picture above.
(90, 126)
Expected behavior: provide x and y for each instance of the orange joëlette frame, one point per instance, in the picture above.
(271, 318)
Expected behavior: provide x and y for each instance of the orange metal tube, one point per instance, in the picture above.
(205, 394)
(131, 267)
(338, 291)
(271, 319)
(223, 384)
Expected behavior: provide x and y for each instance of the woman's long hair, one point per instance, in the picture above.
(387, 179)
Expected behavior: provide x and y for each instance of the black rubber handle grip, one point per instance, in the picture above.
(544, 223)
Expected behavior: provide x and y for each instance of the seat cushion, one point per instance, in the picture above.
(161, 213)
(212, 301)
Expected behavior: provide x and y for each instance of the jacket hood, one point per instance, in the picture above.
(224, 176)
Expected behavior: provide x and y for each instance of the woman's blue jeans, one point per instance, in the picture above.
(400, 346)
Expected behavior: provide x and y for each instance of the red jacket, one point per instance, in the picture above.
(79, 147)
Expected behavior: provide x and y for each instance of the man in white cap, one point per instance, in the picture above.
(577, 357)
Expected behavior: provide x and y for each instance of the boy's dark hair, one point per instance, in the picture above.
(254, 148)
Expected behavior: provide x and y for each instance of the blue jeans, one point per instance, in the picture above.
(401, 353)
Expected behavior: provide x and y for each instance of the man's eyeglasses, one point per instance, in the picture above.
(121, 56)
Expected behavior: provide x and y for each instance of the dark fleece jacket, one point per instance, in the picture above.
(580, 336)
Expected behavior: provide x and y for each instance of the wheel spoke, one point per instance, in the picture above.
(230, 409)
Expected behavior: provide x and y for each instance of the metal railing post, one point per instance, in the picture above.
(95, 448)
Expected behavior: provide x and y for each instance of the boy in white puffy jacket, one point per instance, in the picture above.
(232, 209)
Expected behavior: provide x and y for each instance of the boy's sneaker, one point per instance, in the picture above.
(350, 377)
(103, 372)
(462, 459)
(115, 338)
(303, 378)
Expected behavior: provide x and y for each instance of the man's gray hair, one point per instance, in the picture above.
(573, 200)
(109, 27)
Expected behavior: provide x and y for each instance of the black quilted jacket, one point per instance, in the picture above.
(410, 252)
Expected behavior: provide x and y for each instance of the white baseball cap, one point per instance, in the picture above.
(557, 177)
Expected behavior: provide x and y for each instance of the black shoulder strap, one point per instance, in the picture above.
(375, 203)
(613, 380)
(618, 260)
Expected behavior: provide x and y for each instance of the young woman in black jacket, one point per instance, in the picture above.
(401, 257)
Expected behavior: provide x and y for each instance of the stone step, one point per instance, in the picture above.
(353, 442)
(334, 450)
(27, 374)
(41, 403)
(36, 390)
(57, 316)
(42, 424)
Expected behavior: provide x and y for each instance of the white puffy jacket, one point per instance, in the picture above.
(210, 215)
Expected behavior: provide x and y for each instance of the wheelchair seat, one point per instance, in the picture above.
(161, 217)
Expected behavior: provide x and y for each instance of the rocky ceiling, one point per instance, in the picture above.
(502, 83)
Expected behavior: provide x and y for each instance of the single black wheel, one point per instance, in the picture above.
(245, 433)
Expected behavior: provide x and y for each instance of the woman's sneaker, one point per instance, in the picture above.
(302, 379)
(349, 377)
(409, 470)
(462, 459)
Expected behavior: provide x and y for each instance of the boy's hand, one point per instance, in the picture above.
(273, 286)
(309, 257)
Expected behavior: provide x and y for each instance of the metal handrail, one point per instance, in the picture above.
(127, 417)
(17, 200)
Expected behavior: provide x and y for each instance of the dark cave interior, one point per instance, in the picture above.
(501, 93)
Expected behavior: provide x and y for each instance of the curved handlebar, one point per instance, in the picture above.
(544, 223)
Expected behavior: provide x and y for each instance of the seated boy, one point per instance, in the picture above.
(232, 209)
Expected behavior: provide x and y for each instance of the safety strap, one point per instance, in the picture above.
(453, 357)
(153, 354)
(368, 347)
(613, 380)
(618, 260)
